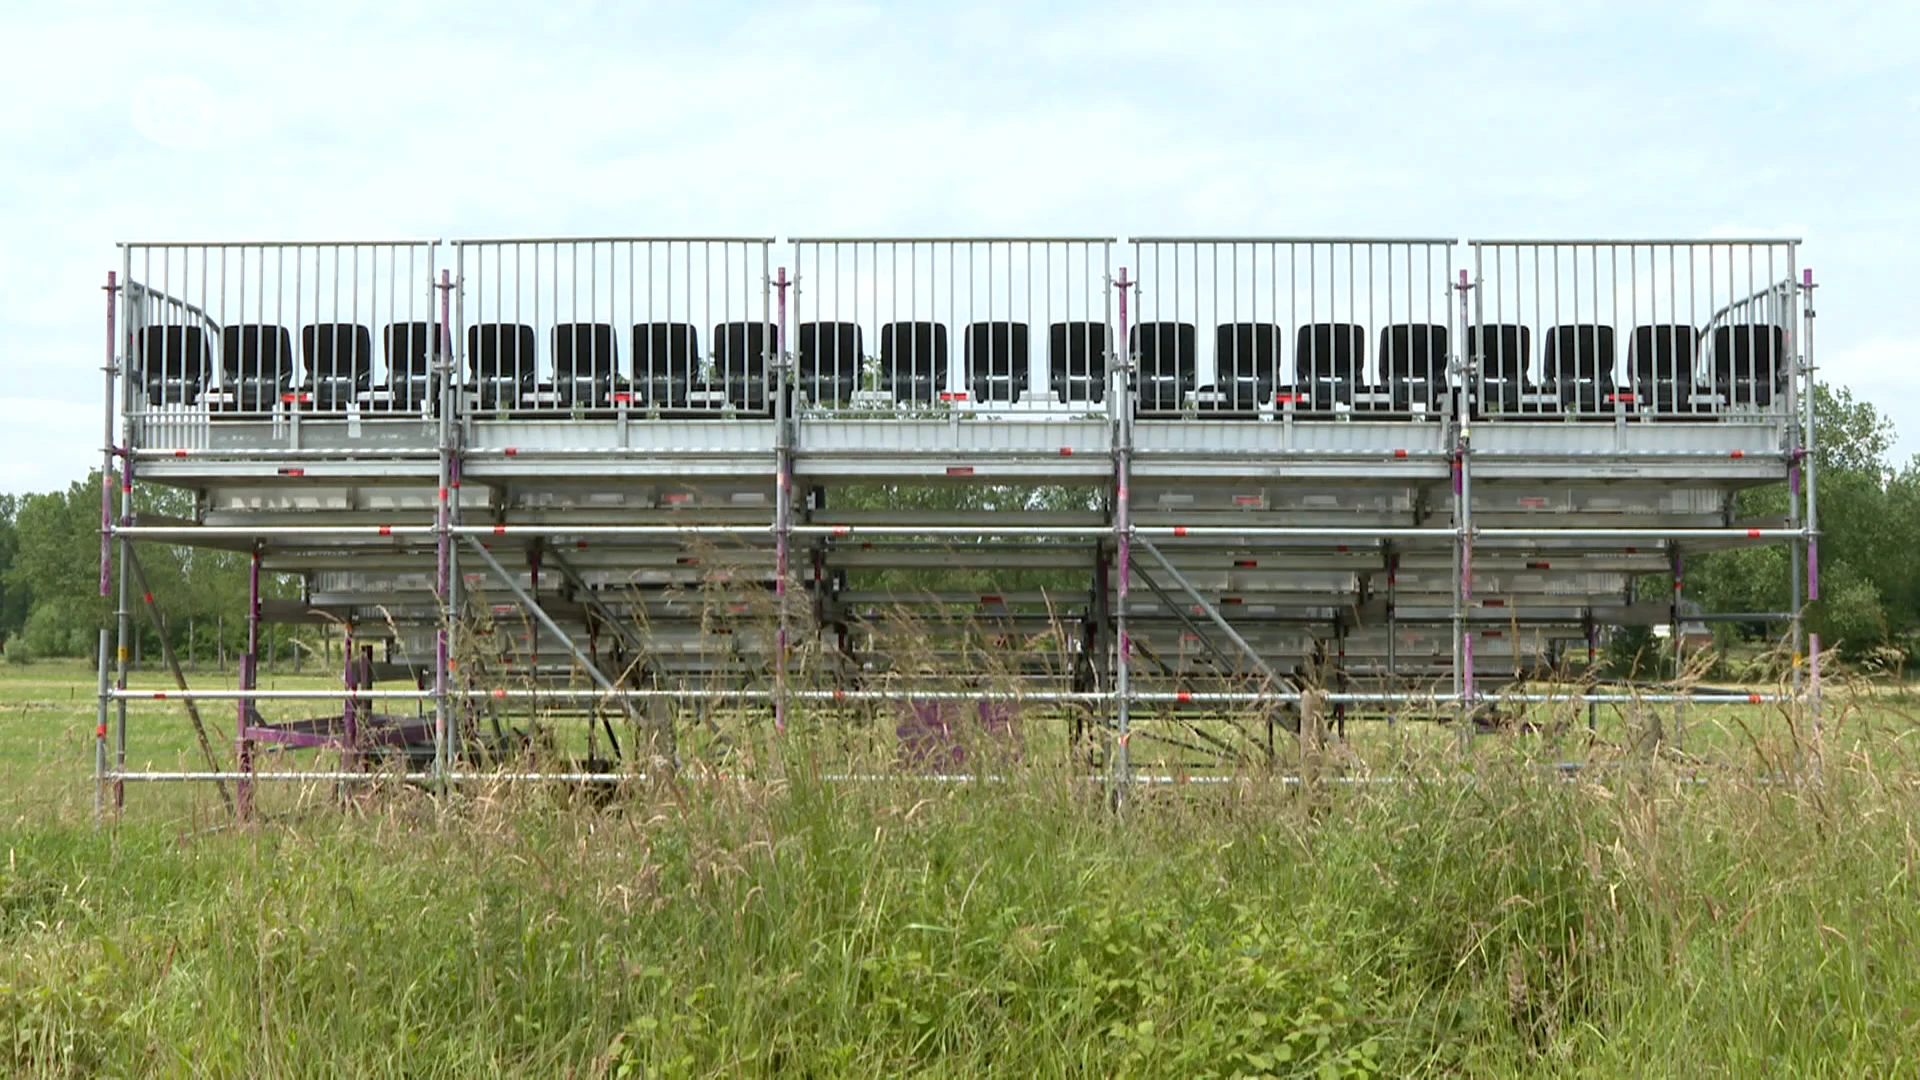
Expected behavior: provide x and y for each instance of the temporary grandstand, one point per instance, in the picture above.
(632, 479)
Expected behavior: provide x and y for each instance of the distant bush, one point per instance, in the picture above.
(56, 629)
(17, 651)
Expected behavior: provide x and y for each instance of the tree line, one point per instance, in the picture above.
(1869, 607)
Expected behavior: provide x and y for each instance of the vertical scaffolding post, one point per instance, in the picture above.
(110, 372)
(782, 501)
(249, 668)
(1593, 641)
(443, 540)
(1674, 616)
(350, 682)
(123, 618)
(1102, 615)
(107, 442)
(1123, 544)
(1812, 537)
(100, 732)
(1393, 634)
(1463, 544)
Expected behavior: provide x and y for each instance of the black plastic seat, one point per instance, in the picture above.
(1661, 358)
(740, 354)
(1330, 359)
(828, 357)
(339, 359)
(174, 363)
(412, 348)
(666, 363)
(1577, 360)
(1246, 360)
(996, 354)
(1413, 365)
(1077, 360)
(913, 360)
(1750, 363)
(500, 358)
(1498, 358)
(585, 362)
(1168, 364)
(256, 365)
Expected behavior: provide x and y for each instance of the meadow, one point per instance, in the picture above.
(1743, 908)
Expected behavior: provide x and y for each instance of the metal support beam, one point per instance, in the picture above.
(1211, 612)
(621, 629)
(159, 621)
(1812, 540)
(1463, 523)
(782, 503)
(1122, 400)
(540, 615)
(1179, 612)
(249, 680)
(445, 579)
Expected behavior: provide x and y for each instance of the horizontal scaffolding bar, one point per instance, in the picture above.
(1182, 697)
(1567, 770)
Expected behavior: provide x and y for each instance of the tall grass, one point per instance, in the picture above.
(1506, 921)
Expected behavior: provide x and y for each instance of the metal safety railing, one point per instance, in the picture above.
(981, 325)
(332, 335)
(221, 334)
(1643, 329)
(1293, 327)
(641, 327)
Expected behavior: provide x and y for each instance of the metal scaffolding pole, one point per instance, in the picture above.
(1812, 538)
(782, 501)
(1212, 613)
(1679, 644)
(159, 621)
(100, 728)
(540, 615)
(1123, 540)
(249, 679)
(445, 365)
(1393, 628)
(1463, 535)
(123, 619)
(110, 375)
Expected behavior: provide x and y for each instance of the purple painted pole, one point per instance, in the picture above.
(107, 447)
(782, 508)
(350, 717)
(533, 588)
(249, 667)
(443, 536)
(1123, 542)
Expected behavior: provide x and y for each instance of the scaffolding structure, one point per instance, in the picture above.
(659, 475)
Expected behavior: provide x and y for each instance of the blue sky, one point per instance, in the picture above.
(385, 120)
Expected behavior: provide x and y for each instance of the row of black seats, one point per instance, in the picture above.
(257, 363)
(174, 364)
(1746, 365)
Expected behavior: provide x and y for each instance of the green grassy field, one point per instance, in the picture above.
(1712, 913)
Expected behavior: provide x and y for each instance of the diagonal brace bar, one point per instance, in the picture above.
(540, 615)
(625, 632)
(1212, 613)
(1180, 613)
(173, 663)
